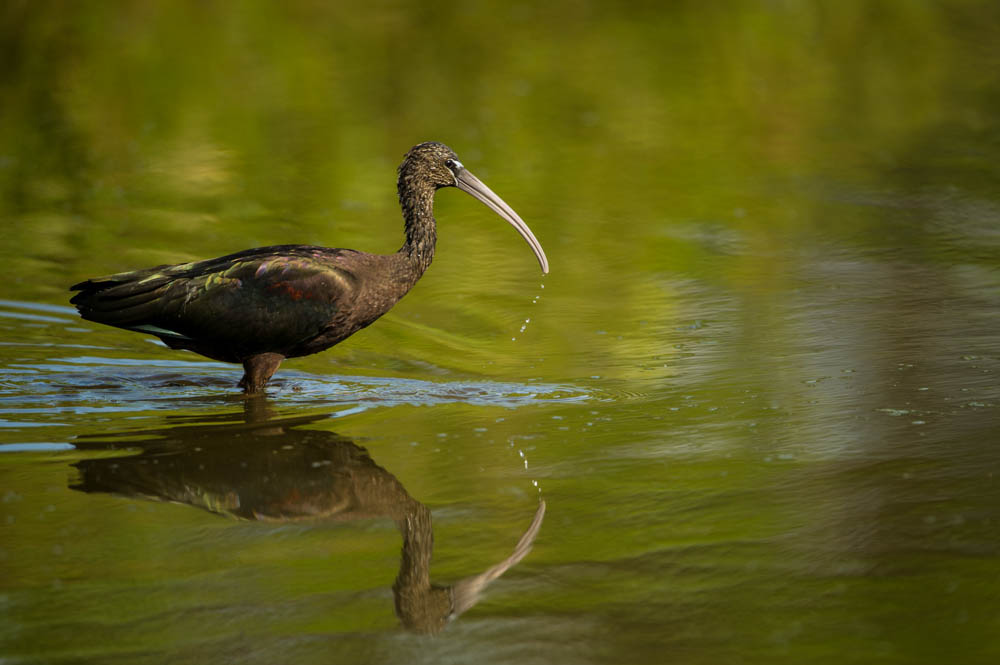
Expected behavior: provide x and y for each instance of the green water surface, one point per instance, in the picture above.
(758, 393)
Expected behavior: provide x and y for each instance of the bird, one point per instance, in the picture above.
(260, 306)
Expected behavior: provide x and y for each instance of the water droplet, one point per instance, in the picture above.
(895, 412)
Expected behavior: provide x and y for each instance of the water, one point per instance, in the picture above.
(757, 393)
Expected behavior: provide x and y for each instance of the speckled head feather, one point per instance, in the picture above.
(429, 163)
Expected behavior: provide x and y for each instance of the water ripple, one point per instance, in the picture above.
(87, 384)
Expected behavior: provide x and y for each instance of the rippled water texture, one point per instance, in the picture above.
(751, 416)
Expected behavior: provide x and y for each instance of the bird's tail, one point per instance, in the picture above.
(125, 300)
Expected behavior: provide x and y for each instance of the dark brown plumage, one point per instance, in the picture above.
(260, 306)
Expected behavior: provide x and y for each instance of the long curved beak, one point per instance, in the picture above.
(470, 184)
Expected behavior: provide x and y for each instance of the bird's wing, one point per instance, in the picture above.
(266, 299)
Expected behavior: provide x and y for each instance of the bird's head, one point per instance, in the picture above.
(433, 163)
(437, 165)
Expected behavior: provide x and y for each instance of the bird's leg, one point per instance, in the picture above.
(257, 370)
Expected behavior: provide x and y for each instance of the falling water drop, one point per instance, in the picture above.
(524, 326)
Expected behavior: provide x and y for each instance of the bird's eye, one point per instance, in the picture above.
(450, 163)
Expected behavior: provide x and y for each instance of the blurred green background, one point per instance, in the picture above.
(758, 389)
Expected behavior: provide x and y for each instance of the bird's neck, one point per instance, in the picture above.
(417, 202)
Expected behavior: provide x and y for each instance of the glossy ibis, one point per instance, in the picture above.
(260, 306)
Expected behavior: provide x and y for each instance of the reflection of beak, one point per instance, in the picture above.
(466, 592)
(470, 184)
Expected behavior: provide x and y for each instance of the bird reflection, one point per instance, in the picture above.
(268, 469)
